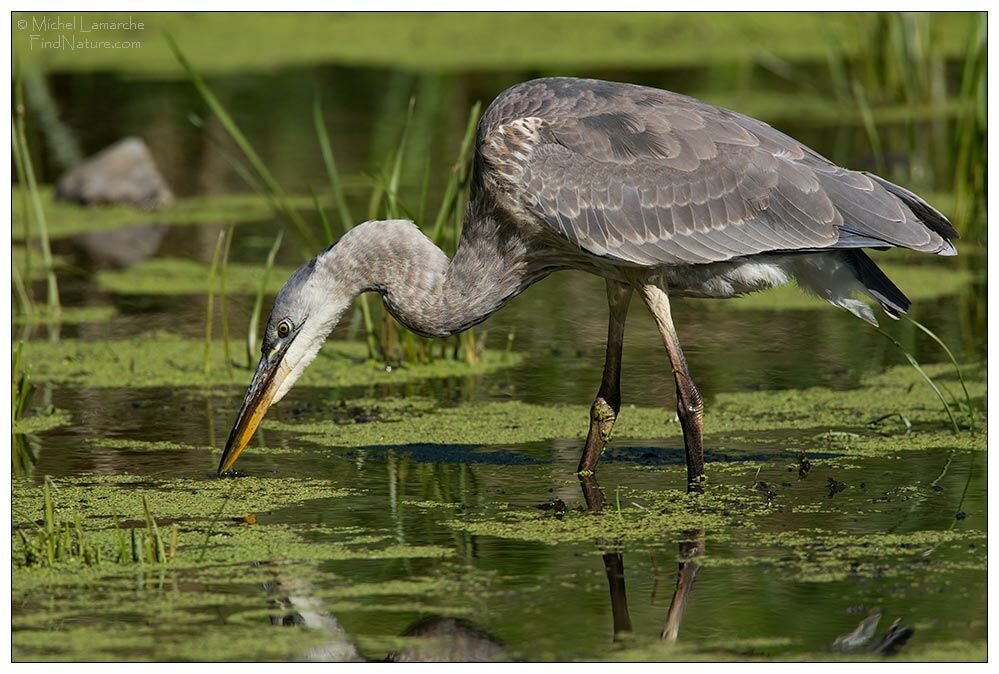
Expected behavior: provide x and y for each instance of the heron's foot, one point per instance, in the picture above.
(602, 418)
(690, 409)
(695, 485)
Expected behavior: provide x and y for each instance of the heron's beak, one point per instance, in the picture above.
(271, 372)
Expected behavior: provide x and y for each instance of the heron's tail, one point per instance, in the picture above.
(877, 284)
(836, 275)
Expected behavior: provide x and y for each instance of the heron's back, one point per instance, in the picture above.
(647, 177)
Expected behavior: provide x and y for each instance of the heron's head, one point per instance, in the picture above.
(305, 311)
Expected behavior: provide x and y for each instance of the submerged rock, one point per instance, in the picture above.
(122, 173)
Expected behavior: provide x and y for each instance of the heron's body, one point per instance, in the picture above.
(653, 191)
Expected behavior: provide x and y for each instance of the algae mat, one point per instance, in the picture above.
(287, 568)
(163, 359)
(334, 554)
(220, 560)
(890, 413)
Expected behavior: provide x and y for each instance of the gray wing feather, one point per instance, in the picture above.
(649, 177)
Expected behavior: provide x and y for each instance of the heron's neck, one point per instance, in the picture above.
(428, 293)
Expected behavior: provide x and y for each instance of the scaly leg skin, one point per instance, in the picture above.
(689, 405)
(604, 411)
(592, 493)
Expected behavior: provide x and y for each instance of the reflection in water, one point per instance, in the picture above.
(614, 566)
(890, 642)
(23, 455)
(430, 639)
(118, 248)
(686, 574)
(305, 610)
(449, 640)
(690, 549)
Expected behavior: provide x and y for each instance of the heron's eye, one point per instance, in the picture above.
(283, 329)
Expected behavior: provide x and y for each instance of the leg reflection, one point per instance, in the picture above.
(614, 566)
(613, 561)
(690, 550)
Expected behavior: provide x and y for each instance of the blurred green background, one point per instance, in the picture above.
(903, 93)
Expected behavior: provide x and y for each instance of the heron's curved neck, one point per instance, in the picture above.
(428, 293)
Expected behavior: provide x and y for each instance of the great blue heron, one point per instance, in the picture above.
(654, 191)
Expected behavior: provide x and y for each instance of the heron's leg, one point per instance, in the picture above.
(607, 404)
(689, 405)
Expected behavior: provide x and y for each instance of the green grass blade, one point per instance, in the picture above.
(329, 161)
(25, 209)
(20, 143)
(307, 239)
(210, 303)
(867, 117)
(395, 176)
(258, 302)
(912, 361)
(237, 166)
(222, 306)
(21, 288)
(424, 191)
(451, 191)
(957, 368)
(322, 217)
(158, 554)
(50, 523)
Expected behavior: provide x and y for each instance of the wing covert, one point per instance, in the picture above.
(648, 177)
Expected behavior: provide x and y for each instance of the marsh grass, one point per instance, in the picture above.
(30, 195)
(902, 65)
(22, 392)
(967, 407)
(387, 187)
(222, 301)
(390, 343)
(206, 364)
(971, 161)
(258, 301)
(21, 290)
(58, 539)
(329, 162)
(145, 545)
(346, 220)
(278, 197)
(54, 541)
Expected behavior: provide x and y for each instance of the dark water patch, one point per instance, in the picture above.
(674, 456)
(465, 454)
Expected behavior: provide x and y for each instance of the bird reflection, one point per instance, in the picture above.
(448, 639)
(431, 639)
(689, 550)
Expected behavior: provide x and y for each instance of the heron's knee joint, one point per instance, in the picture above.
(602, 411)
(604, 416)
